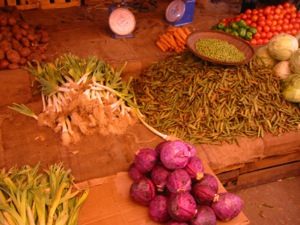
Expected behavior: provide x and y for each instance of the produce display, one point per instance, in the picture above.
(180, 191)
(201, 102)
(174, 39)
(30, 197)
(282, 55)
(258, 26)
(82, 96)
(20, 42)
(215, 49)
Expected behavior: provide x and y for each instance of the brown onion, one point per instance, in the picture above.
(228, 206)
(142, 191)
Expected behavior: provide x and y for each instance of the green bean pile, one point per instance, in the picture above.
(219, 50)
(201, 102)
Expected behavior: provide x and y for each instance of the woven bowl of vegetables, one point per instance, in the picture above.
(220, 47)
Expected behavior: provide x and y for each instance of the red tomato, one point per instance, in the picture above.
(254, 18)
(265, 41)
(293, 15)
(279, 28)
(294, 31)
(286, 5)
(280, 21)
(287, 16)
(296, 26)
(248, 11)
(269, 35)
(259, 29)
(269, 22)
(253, 41)
(276, 16)
(285, 21)
(257, 35)
(260, 41)
(261, 23)
(293, 8)
(248, 21)
(277, 10)
(270, 17)
(285, 27)
(263, 35)
(267, 10)
(244, 16)
(254, 11)
(266, 29)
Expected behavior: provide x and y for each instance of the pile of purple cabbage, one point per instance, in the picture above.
(171, 181)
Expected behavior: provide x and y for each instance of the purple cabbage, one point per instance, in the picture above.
(158, 209)
(179, 181)
(174, 154)
(159, 176)
(204, 194)
(134, 172)
(142, 191)
(227, 206)
(145, 160)
(209, 180)
(195, 168)
(204, 216)
(173, 222)
(192, 149)
(182, 206)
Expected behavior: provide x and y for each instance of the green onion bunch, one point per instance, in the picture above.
(82, 96)
(28, 197)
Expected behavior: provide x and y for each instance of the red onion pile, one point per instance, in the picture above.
(171, 181)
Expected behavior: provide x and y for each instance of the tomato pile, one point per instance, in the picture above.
(269, 21)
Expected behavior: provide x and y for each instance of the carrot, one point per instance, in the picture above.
(186, 30)
(172, 39)
(167, 38)
(182, 34)
(165, 42)
(161, 46)
(179, 38)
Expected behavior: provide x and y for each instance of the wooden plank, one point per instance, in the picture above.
(227, 177)
(27, 7)
(229, 168)
(11, 2)
(270, 162)
(268, 175)
(46, 4)
(2, 3)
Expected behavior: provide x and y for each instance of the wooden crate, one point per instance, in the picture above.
(20, 4)
(56, 4)
(263, 171)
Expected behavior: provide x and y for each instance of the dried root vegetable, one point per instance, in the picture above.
(81, 97)
(174, 39)
(200, 102)
(28, 197)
